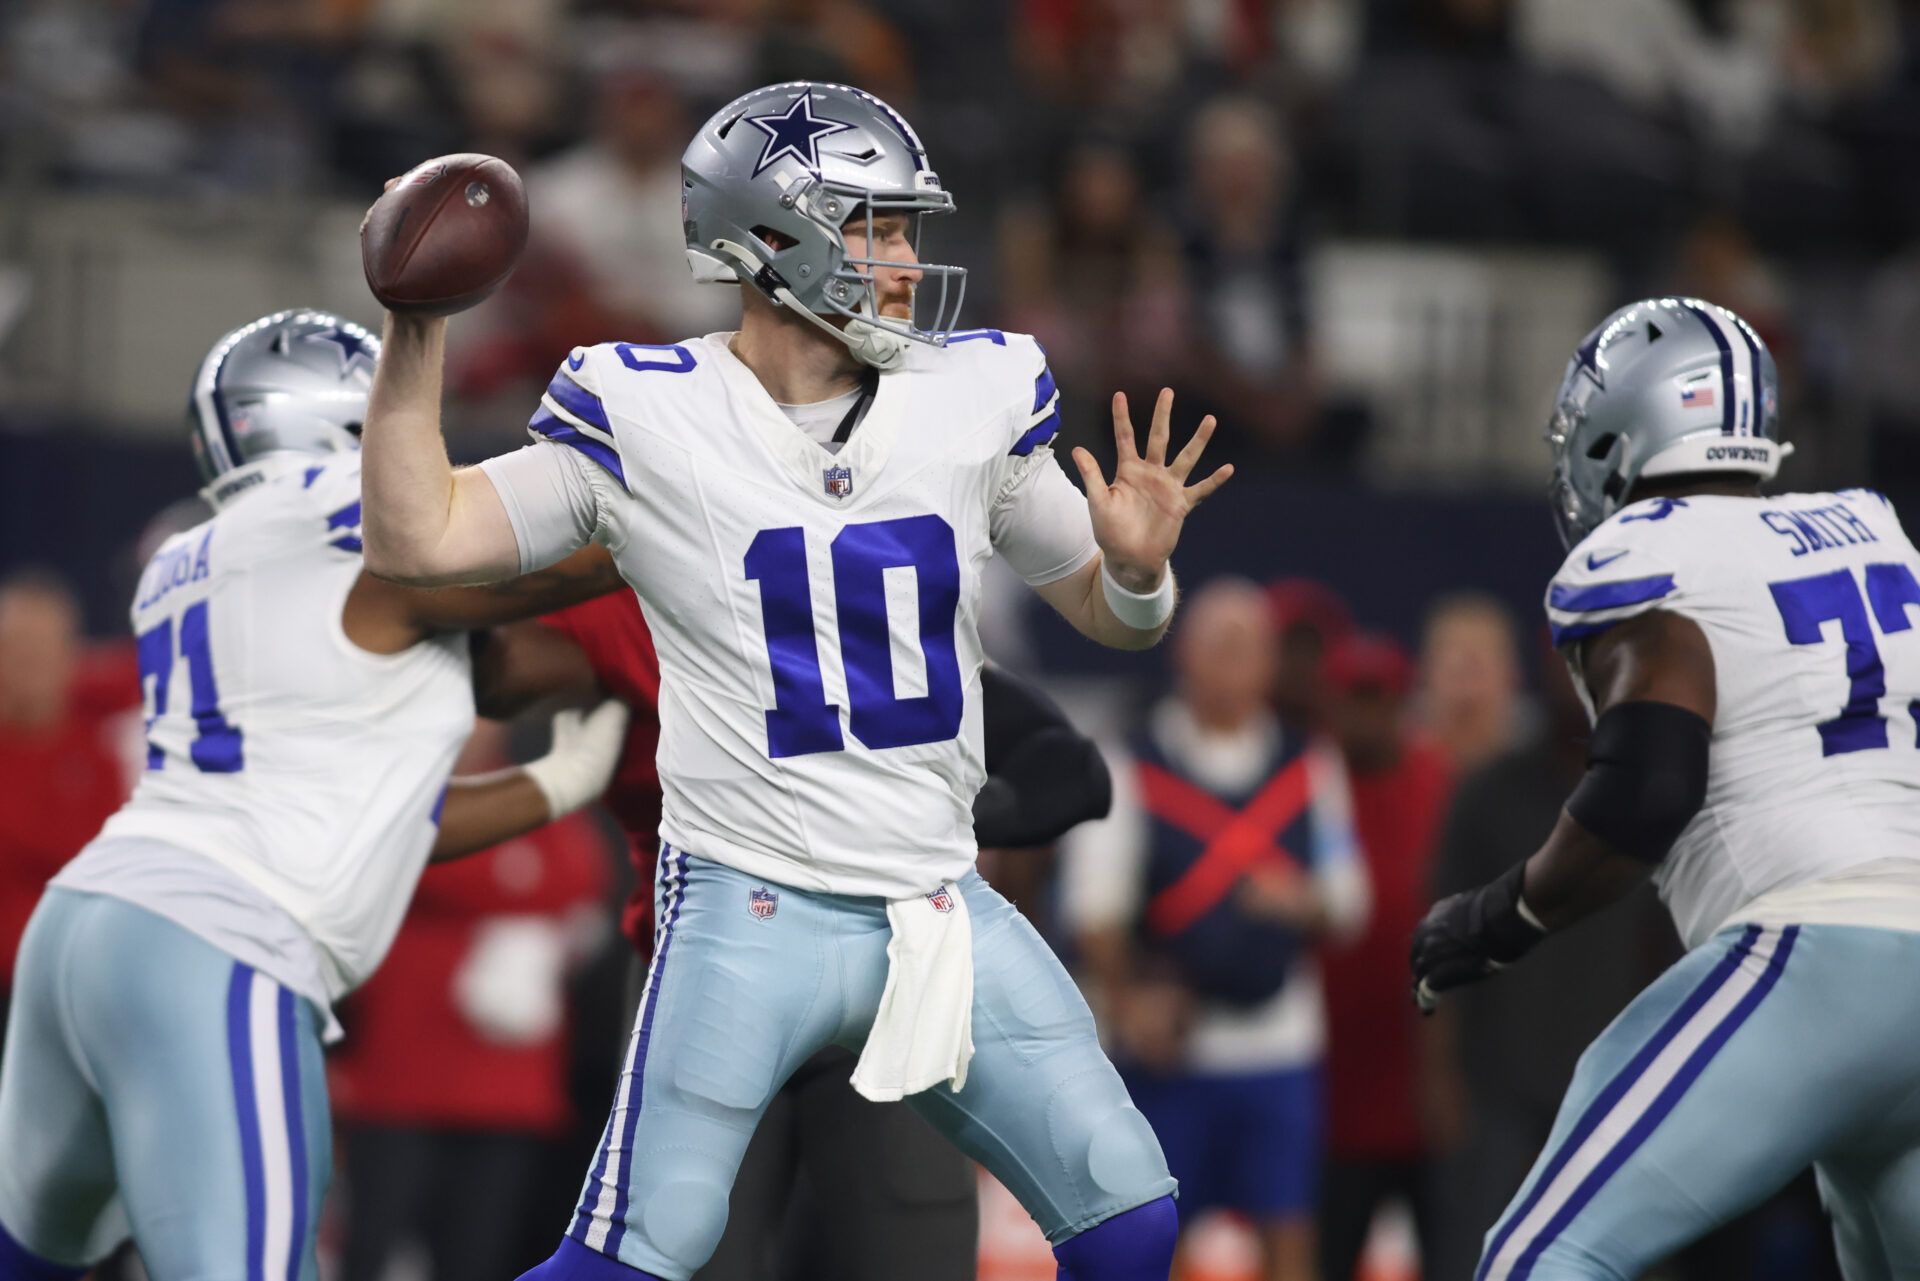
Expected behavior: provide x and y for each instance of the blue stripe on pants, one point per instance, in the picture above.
(1706, 1037)
(645, 1032)
(296, 1129)
(246, 1109)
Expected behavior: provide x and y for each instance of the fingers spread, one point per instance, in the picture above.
(1162, 427)
(1183, 463)
(1090, 476)
(1123, 429)
(1196, 494)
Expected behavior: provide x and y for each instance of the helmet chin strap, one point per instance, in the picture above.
(869, 343)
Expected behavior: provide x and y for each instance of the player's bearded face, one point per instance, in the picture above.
(886, 236)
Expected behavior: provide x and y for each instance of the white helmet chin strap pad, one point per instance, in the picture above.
(869, 343)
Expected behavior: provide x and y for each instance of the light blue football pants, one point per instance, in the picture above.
(1761, 1052)
(736, 1001)
(154, 1086)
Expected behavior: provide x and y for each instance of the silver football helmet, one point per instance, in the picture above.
(1664, 387)
(295, 382)
(771, 180)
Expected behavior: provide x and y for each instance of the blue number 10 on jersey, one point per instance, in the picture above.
(802, 721)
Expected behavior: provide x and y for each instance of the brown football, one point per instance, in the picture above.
(445, 234)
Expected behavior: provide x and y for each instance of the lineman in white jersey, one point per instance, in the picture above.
(813, 599)
(162, 1078)
(1754, 673)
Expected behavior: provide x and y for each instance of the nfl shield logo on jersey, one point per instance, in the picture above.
(762, 904)
(839, 482)
(941, 900)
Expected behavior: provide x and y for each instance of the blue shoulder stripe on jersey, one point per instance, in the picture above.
(347, 518)
(1630, 591)
(1037, 435)
(579, 402)
(958, 336)
(1044, 389)
(549, 425)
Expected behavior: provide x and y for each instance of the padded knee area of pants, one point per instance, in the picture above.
(684, 1220)
(1124, 1156)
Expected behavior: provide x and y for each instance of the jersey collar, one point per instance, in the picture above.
(807, 463)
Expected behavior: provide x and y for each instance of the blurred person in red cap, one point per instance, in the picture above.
(1379, 1145)
(1309, 618)
(1229, 852)
(1470, 679)
(453, 1079)
(61, 773)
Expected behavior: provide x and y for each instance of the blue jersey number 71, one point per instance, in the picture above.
(216, 747)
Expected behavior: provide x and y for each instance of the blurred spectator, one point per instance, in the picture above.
(1506, 1049)
(1470, 680)
(1243, 247)
(62, 772)
(1229, 851)
(1094, 271)
(1889, 338)
(453, 1077)
(1308, 618)
(611, 206)
(838, 40)
(1658, 55)
(1378, 1146)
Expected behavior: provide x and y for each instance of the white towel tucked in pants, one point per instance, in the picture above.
(923, 1033)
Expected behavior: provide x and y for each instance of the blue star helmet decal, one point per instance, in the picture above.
(796, 134)
(1588, 356)
(352, 346)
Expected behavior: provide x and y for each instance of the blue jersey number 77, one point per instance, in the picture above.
(1807, 603)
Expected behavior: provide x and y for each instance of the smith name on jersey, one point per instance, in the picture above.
(303, 764)
(1808, 602)
(815, 611)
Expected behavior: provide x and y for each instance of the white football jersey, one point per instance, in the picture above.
(310, 768)
(1808, 602)
(815, 613)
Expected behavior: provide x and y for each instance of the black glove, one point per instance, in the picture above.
(1466, 937)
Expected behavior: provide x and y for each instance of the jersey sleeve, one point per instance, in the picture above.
(556, 500)
(1039, 521)
(1626, 568)
(573, 413)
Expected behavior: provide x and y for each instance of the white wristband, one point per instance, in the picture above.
(1142, 613)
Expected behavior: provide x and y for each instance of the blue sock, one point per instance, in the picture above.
(1135, 1245)
(575, 1262)
(17, 1263)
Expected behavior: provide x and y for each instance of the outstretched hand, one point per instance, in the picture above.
(1137, 518)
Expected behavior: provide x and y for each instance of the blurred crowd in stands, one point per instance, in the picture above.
(1141, 183)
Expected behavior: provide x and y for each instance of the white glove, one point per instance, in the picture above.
(580, 764)
(509, 986)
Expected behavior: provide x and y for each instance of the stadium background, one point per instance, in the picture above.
(1364, 232)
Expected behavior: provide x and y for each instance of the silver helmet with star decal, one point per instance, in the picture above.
(1663, 387)
(293, 382)
(774, 180)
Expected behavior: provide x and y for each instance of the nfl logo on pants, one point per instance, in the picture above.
(762, 904)
(839, 481)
